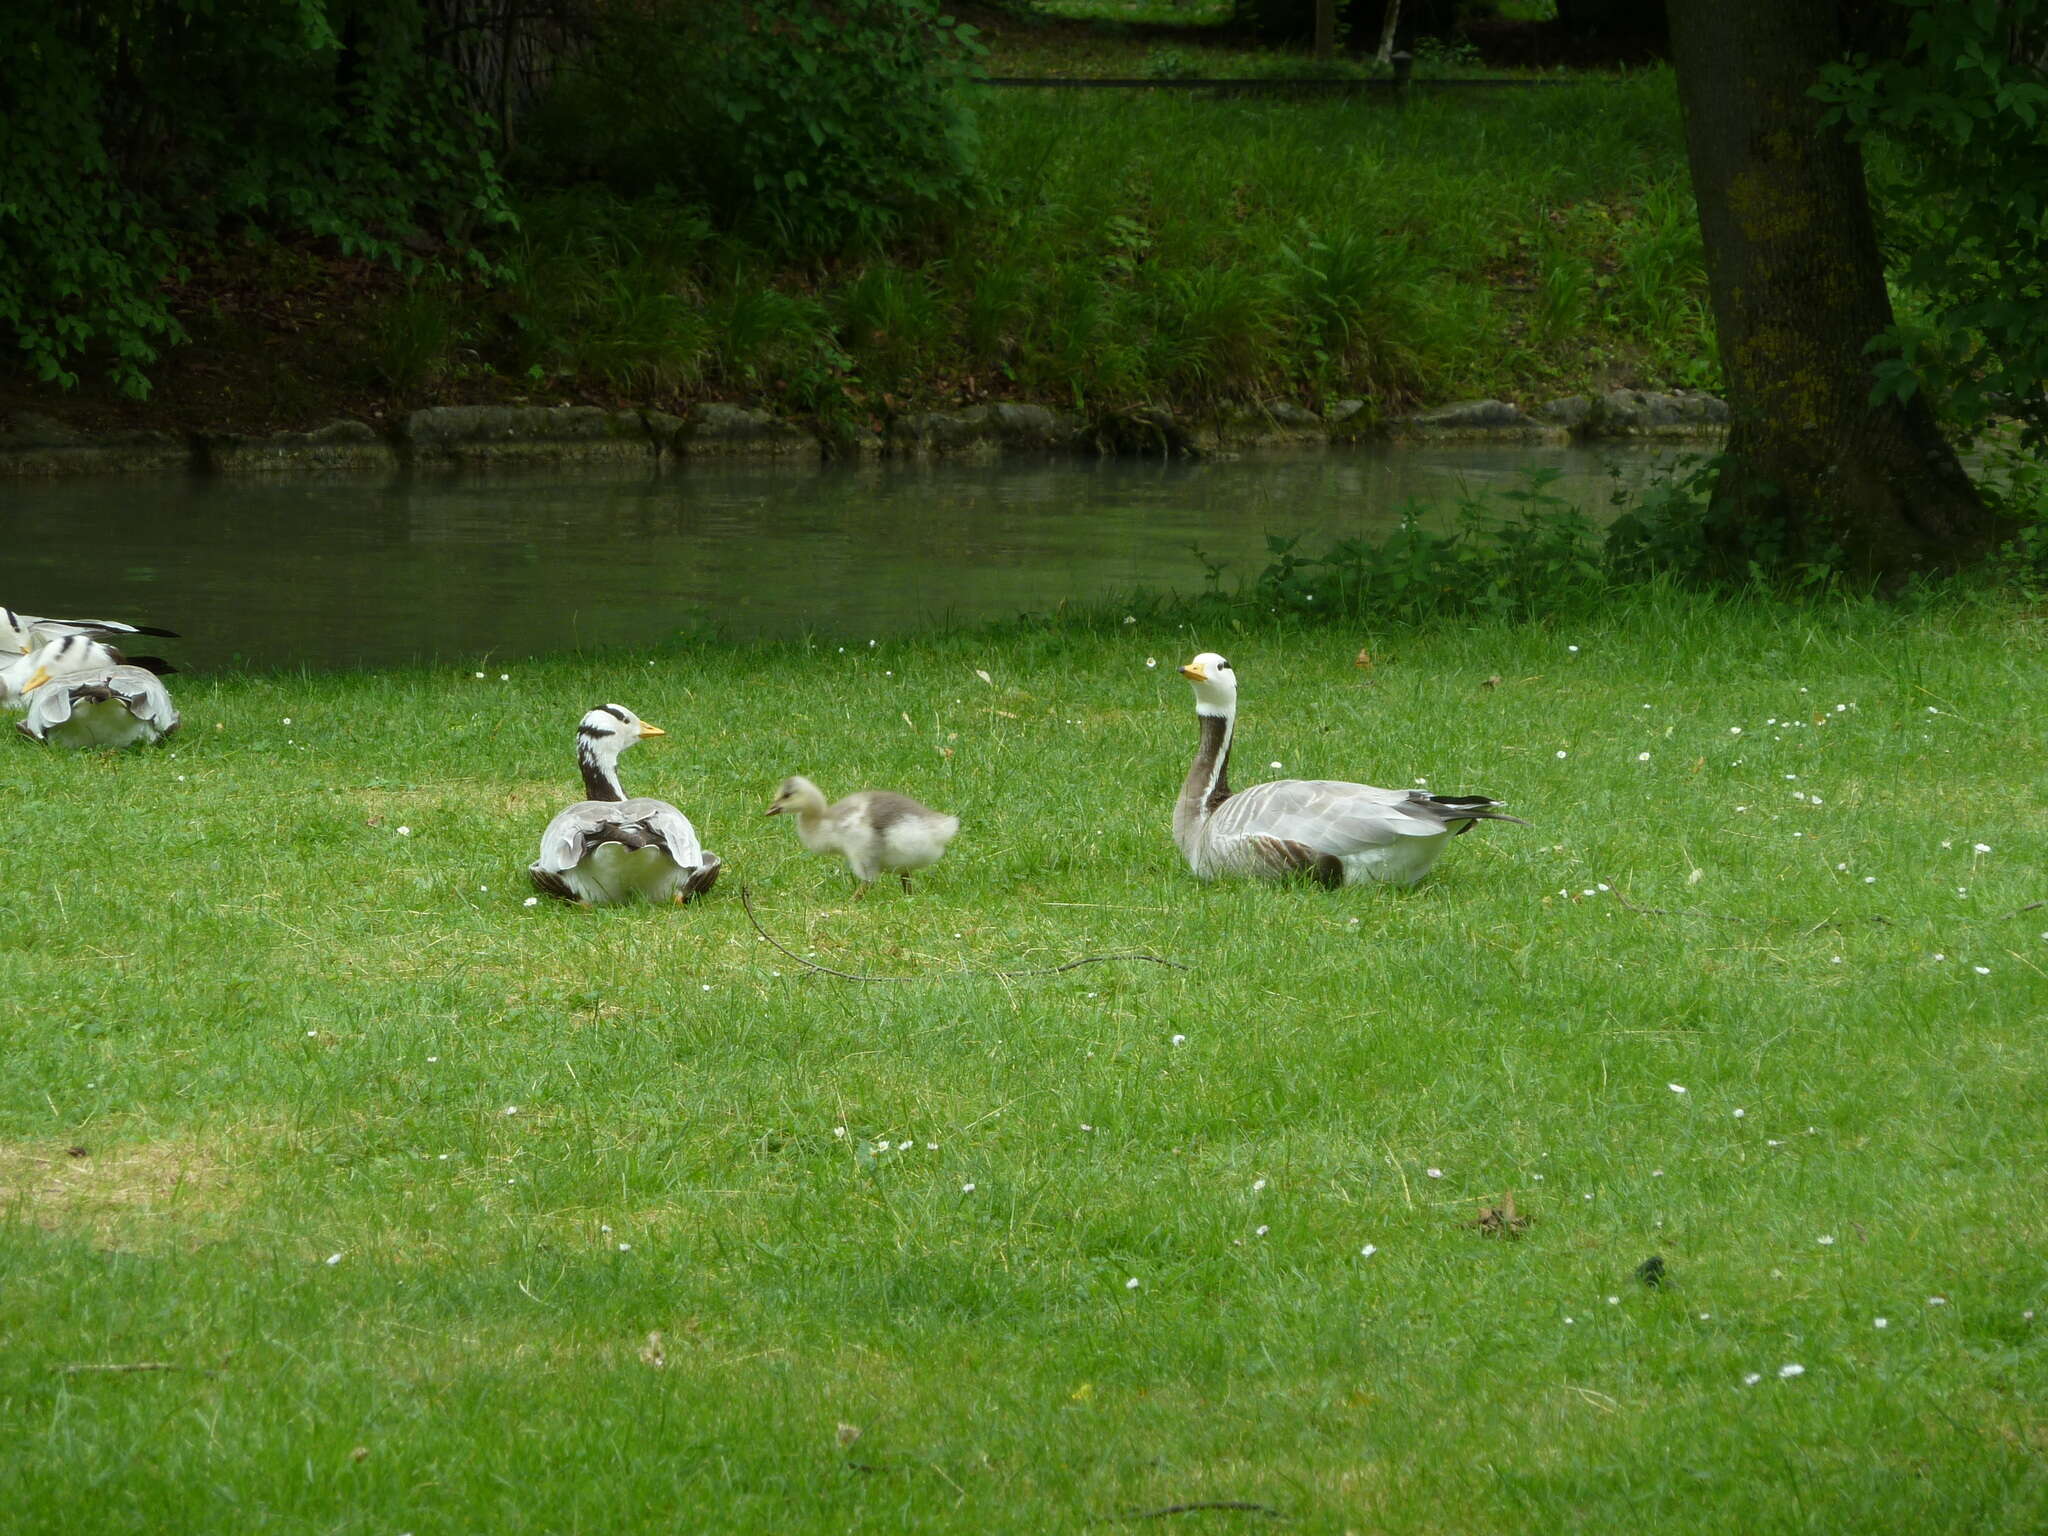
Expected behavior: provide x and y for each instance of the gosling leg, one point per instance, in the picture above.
(904, 876)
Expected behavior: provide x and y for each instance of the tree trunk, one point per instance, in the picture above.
(1326, 29)
(1814, 472)
(1392, 20)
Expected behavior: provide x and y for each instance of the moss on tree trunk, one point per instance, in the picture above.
(1815, 472)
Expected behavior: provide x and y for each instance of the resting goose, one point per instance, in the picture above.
(873, 830)
(66, 658)
(21, 633)
(1338, 834)
(609, 849)
(81, 693)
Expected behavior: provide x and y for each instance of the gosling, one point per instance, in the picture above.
(873, 830)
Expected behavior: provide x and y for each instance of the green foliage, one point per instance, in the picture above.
(1960, 109)
(411, 340)
(1134, 249)
(1529, 553)
(1542, 557)
(124, 134)
(1361, 302)
(890, 323)
(809, 126)
(2016, 482)
(611, 288)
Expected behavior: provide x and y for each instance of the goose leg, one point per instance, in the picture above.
(904, 876)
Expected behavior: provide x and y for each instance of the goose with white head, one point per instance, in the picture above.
(1334, 833)
(609, 849)
(81, 693)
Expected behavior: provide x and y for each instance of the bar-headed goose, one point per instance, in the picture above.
(873, 830)
(69, 657)
(610, 849)
(21, 633)
(82, 693)
(1338, 834)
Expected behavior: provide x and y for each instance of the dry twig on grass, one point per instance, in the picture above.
(747, 905)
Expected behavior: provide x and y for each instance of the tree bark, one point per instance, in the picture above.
(1385, 57)
(1326, 29)
(1814, 473)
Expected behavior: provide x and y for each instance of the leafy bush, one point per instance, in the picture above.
(1543, 556)
(1954, 107)
(126, 132)
(809, 126)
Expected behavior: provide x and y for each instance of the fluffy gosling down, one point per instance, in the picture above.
(608, 849)
(1335, 833)
(874, 831)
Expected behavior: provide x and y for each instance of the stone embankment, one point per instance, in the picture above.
(489, 437)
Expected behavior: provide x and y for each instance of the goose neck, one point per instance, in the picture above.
(600, 772)
(1208, 781)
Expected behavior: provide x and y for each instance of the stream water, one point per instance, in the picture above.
(352, 572)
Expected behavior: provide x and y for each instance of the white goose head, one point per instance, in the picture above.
(601, 736)
(68, 657)
(15, 639)
(1215, 685)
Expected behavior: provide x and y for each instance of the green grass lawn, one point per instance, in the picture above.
(405, 1176)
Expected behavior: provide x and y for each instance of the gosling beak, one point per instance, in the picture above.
(42, 676)
(1194, 674)
(647, 729)
(773, 810)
